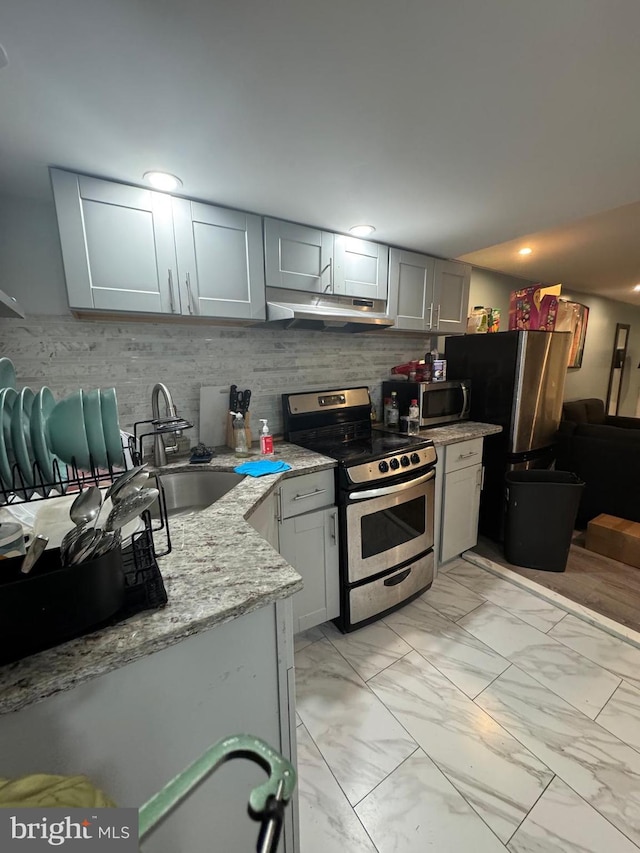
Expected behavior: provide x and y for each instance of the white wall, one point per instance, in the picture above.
(30, 256)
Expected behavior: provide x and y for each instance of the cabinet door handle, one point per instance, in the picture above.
(438, 317)
(327, 266)
(192, 305)
(172, 303)
(430, 326)
(332, 530)
(309, 494)
(468, 455)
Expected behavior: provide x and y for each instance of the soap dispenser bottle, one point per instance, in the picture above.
(239, 435)
(266, 439)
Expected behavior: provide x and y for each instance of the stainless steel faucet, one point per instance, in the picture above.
(159, 448)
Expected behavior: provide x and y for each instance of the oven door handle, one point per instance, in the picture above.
(391, 490)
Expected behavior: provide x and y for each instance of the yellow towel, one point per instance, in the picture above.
(41, 790)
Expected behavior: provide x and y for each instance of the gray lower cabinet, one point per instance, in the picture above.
(461, 487)
(133, 729)
(300, 521)
(131, 249)
(309, 543)
(428, 294)
(301, 258)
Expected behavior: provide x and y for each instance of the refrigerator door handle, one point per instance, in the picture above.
(465, 400)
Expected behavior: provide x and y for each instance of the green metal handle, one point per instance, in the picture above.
(279, 785)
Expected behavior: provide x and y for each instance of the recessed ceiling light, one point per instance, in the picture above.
(162, 180)
(637, 287)
(361, 230)
(525, 251)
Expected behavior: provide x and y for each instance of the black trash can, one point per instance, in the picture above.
(541, 511)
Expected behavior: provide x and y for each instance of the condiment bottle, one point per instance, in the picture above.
(427, 370)
(266, 439)
(393, 412)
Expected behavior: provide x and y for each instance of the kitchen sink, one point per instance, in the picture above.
(191, 491)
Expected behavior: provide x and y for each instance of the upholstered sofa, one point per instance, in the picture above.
(604, 451)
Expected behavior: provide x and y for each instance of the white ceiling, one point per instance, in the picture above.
(451, 125)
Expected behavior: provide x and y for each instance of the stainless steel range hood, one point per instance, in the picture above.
(296, 309)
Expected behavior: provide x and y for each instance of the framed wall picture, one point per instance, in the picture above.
(580, 320)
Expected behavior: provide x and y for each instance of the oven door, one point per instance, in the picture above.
(388, 525)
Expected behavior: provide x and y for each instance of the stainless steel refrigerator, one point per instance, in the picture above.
(517, 382)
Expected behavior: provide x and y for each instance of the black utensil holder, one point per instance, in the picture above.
(53, 603)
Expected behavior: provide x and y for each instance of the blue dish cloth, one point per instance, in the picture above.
(259, 469)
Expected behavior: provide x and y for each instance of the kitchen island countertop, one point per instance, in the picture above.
(219, 569)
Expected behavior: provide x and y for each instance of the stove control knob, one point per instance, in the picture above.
(415, 458)
(394, 464)
(404, 460)
(383, 466)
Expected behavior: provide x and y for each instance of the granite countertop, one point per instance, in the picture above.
(453, 433)
(219, 568)
(463, 431)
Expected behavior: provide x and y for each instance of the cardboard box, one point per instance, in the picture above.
(534, 308)
(616, 538)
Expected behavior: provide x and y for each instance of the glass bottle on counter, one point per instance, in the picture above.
(392, 412)
(239, 435)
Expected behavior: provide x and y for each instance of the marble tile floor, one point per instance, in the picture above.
(478, 718)
(607, 586)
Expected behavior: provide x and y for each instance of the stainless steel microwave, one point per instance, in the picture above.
(438, 402)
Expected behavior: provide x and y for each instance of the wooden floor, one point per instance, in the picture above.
(604, 585)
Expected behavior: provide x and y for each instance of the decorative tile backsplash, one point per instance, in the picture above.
(67, 354)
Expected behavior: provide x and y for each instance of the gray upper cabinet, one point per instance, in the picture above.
(297, 257)
(302, 258)
(360, 268)
(117, 245)
(411, 289)
(131, 249)
(427, 294)
(220, 266)
(451, 296)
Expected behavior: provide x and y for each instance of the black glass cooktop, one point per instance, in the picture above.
(376, 446)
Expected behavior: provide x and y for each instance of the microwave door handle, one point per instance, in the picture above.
(391, 490)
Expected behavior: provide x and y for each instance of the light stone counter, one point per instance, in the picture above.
(453, 433)
(219, 569)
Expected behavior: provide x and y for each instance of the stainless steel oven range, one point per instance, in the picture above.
(385, 487)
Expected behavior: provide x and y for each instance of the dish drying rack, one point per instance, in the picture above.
(144, 587)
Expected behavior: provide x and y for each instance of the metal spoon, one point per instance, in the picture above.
(83, 546)
(132, 487)
(129, 508)
(123, 479)
(86, 506)
(68, 541)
